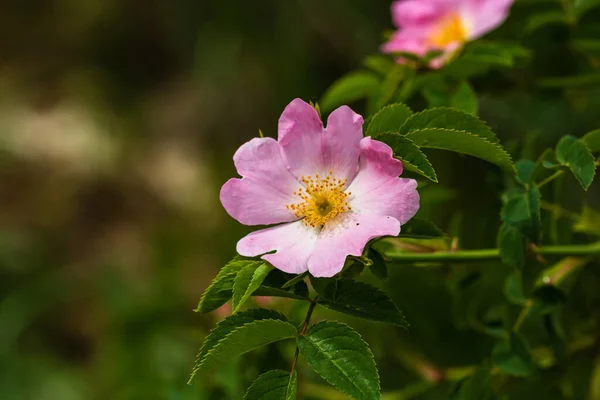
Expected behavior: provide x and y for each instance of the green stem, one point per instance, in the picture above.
(550, 178)
(311, 308)
(460, 256)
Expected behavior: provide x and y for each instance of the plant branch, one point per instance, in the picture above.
(459, 256)
(551, 178)
(311, 308)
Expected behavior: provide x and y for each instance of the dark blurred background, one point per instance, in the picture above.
(118, 121)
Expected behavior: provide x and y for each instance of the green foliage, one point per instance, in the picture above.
(477, 386)
(342, 358)
(575, 155)
(274, 385)
(350, 88)
(221, 289)
(522, 211)
(592, 140)
(247, 280)
(409, 153)
(511, 244)
(512, 356)
(280, 284)
(388, 119)
(462, 142)
(378, 265)
(239, 334)
(447, 118)
(465, 99)
(418, 228)
(359, 300)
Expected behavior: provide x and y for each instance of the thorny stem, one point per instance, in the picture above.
(311, 308)
(456, 256)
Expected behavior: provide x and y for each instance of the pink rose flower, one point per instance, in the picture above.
(331, 190)
(426, 25)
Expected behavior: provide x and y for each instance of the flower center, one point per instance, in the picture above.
(450, 30)
(321, 200)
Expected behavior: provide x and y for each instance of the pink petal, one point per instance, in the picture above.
(293, 242)
(377, 188)
(406, 13)
(261, 196)
(406, 42)
(309, 149)
(346, 235)
(483, 16)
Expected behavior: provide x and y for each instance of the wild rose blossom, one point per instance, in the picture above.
(331, 190)
(426, 25)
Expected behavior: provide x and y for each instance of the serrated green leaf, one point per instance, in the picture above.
(247, 280)
(575, 155)
(413, 159)
(388, 119)
(525, 170)
(513, 356)
(274, 283)
(592, 140)
(342, 358)
(448, 118)
(274, 385)
(378, 264)
(522, 210)
(465, 99)
(232, 343)
(352, 87)
(418, 228)
(511, 244)
(230, 324)
(221, 289)
(462, 142)
(359, 299)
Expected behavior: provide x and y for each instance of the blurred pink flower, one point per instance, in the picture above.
(329, 189)
(426, 25)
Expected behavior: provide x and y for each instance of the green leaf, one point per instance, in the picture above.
(581, 80)
(352, 87)
(541, 170)
(379, 63)
(342, 358)
(525, 170)
(241, 333)
(274, 385)
(221, 289)
(511, 244)
(589, 221)
(378, 264)
(592, 140)
(390, 84)
(411, 156)
(478, 385)
(462, 142)
(418, 228)
(575, 155)
(247, 281)
(298, 278)
(388, 119)
(522, 210)
(359, 299)
(450, 119)
(513, 288)
(276, 284)
(540, 20)
(513, 357)
(465, 99)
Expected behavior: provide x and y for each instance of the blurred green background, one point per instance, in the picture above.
(118, 121)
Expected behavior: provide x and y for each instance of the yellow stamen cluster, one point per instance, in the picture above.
(321, 200)
(451, 30)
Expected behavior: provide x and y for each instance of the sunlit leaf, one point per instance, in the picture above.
(388, 119)
(413, 159)
(274, 385)
(342, 358)
(247, 281)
